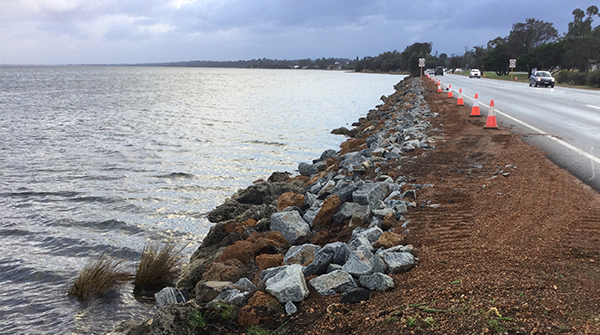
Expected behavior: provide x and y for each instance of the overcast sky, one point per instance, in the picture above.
(143, 31)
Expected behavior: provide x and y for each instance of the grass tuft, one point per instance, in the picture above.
(97, 278)
(158, 267)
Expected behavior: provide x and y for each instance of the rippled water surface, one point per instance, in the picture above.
(101, 160)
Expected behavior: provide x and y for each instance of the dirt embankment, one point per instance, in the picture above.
(508, 242)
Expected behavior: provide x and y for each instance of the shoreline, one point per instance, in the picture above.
(438, 207)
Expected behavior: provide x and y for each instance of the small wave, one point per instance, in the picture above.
(276, 144)
(27, 194)
(176, 175)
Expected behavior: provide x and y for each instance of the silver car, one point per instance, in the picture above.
(539, 78)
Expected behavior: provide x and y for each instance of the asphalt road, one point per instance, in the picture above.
(563, 122)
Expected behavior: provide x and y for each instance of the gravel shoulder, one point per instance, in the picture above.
(508, 243)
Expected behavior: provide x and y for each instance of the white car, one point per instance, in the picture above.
(475, 73)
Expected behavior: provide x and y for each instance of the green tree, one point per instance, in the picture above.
(525, 37)
(551, 55)
(496, 59)
(580, 27)
(411, 55)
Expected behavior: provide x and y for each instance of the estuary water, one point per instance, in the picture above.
(102, 160)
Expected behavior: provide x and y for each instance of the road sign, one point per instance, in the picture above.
(512, 63)
(421, 62)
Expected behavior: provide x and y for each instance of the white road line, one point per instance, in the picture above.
(565, 144)
(593, 106)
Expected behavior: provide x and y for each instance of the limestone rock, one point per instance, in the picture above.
(300, 254)
(290, 225)
(288, 285)
(399, 261)
(168, 295)
(332, 283)
(359, 263)
(377, 281)
(355, 295)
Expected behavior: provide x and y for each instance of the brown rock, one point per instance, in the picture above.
(389, 221)
(260, 309)
(247, 316)
(266, 261)
(351, 145)
(231, 270)
(277, 237)
(240, 250)
(290, 199)
(207, 291)
(264, 246)
(388, 240)
(263, 299)
(331, 205)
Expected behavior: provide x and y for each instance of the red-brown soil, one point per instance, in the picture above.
(515, 254)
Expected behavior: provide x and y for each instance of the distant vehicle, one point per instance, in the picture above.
(538, 78)
(458, 70)
(439, 71)
(430, 72)
(475, 73)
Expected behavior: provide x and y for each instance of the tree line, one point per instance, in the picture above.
(533, 43)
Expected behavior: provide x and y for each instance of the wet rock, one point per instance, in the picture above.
(131, 327)
(168, 295)
(170, 319)
(355, 295)
(290, 225)
(279, 177)
(288, 285)
(300, 254)
(377, 281)
(333, 282)
(192, 273)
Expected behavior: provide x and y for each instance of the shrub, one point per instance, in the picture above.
(97, 278)
(158, 267)
(593, 79)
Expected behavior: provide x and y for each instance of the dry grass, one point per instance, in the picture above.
(98, 277)
(158, 267)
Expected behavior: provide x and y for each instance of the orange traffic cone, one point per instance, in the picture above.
(450, 95)
(439, 87)
(460, 101)
(491, 118)
(475, 109)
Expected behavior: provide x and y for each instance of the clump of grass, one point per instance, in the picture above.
(98, 277)
(158, 267)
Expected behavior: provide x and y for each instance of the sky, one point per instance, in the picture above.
(53, 32)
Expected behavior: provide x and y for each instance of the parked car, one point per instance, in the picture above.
(439, 71)
(541, 78)
(475, 73)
